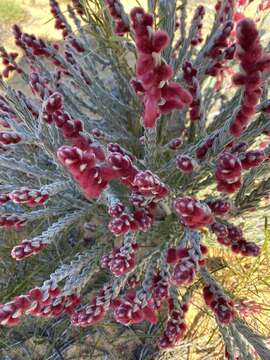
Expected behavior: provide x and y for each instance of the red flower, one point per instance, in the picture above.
(219, 303)
(185, 163)
(252, 158)
(129, 310)
(193, 213)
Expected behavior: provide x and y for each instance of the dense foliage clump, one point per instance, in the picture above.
(151, 137)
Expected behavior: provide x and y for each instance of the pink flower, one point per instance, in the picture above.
(8, 137)
(153, 74)
(228, 173)
(219, 303)
(219, 206)
(253, 62)
(12, 221)
(175, 327)
(128, 310)
(252, 159)
(185, 163)
(193, 213)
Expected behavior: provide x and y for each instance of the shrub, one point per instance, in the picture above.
(138, 156)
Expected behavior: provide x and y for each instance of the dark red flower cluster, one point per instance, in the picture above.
(175, 144)
(193, 213)
(116, 209)
(220, 52)
(81, 162)
(40, 302)
(153, 74)
(147, 190)
(190, 77)
(219, 66)
(12, 221)
(186, 263)
(237, 147)
(9, 137)
(24, 195)
(78, 6)
(82, 166)
(149, 185)
(97, 133)
(219, 207)
(232, 236)
(224, 9)
(201, 151)
(51, 105)
(121, 260)
(8, 60)
(228, 173)
(5, 112)
(116, 148)
(252, 158)
(221, 40)
(121, 223)
(121, 163)
(60, 22)
(253, 62)
(229, 167)
(140, 219)
(80, 159)
(33, 46)
(39, 84)
(220, 304)
(133, 308)
(160, 289)
(185, 163)
(96, 310)
(27, 248)
(116, 11)
(30, 44)
(31, 197)
(175, 328)
(221, 231)
(197, 23)
(78, 46)
(4, 198)
(72, 128)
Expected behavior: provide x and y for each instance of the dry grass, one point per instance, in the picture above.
(11, 11)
